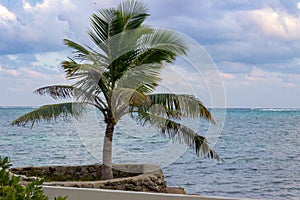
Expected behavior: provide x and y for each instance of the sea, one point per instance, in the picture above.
(260, 148)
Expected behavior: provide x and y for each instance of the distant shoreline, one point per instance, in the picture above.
(19, 106)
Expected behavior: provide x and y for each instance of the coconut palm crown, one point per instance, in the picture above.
(119, 77)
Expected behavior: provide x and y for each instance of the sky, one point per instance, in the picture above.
(255, 44)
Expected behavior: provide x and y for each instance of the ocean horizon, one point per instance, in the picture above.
(260, 147)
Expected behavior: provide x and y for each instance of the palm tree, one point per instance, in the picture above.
(119, 77)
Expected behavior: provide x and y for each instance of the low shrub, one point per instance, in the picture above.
(11, 189)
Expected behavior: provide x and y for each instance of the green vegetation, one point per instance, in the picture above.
(11, 189)
(119, 76)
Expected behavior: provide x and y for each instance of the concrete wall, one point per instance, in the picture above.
(99, 194)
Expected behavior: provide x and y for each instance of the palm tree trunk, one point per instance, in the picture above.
(107, 172)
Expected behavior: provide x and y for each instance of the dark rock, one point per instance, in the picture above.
(174, 190)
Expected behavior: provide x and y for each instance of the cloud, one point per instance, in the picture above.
(18, 84)
(6, 15)
(234, 67)
(231, 31)
(41, 26)
(240, 33)
(10, 72)
(44, 6)
(24, 73)
(258, 77)
(50, 60)
(261, 88)
(30, 68)
(275, 23)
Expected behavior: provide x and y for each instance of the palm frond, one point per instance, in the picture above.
(143, 78)
(87, 88)
(124, 49)
(133, 13)
(160, 46)
(76, 70)
(80, 51)
(100, 23)
(91, 77)
(167, 40)
(87, 54)
(56, 91)
(108, 23)
(179, 105)
(123, 98)
(178, 132)
(66, 91)
(51, 112)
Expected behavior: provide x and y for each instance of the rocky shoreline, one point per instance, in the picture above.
(128, 177)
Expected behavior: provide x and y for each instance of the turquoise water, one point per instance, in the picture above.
(261, 149)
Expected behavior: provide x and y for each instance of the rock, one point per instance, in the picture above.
(174, 190)
(127, 177)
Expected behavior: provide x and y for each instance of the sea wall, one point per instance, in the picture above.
(97, 194)
(131, 177)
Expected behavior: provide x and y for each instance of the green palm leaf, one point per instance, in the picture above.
(178, 132)
(65, 91)
(91, 79)
(56, 91)
(123, 98)
(51, 112)
(75, 70)
(81, 52)
(179, 105)
(109, 22)
(183, 134)
(143, 78)
(161, 45)
(133, 14)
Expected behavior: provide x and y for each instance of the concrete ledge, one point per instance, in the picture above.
(99, 194)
